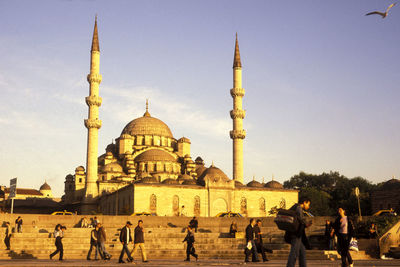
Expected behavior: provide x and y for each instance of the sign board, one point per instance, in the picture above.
(13, 188)
(356, 191)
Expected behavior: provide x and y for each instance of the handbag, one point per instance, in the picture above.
(353, 244)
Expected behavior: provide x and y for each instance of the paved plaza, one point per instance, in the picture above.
(273, 263)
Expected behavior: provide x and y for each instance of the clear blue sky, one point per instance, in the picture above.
(322, 83)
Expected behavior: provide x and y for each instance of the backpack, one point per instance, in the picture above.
(287, 220)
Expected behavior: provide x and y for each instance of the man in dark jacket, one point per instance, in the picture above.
(250, 244)
(101, 240)
(298, 240)
(190, 247)
(259, 241)
(125, 238)
(139, 241)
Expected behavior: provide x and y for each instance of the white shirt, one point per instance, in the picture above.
(127, 235)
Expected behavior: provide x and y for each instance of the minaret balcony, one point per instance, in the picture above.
(237, 92)
(94, 78)
(237, 134)
(93, 123)
(238, 113)
(93, 100)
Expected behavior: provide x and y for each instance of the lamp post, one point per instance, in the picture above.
(357, 193)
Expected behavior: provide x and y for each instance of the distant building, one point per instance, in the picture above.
(387, 196)
(29, 200)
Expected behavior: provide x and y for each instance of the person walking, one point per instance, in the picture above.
(329, 238)
(18, 224)
(125, 238)
(101, 235)
(7, 235)
(94, 243)
(139, 241)
(344, 230)
(189, 239)
(59, 235)
(298, 240)
(194, 224)
(259, 241)
(250, 243)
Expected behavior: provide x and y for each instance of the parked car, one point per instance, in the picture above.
(229, 214)
(390, 212)
(143, 214)
(64, 212)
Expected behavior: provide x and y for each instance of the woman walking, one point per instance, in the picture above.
(344, 230)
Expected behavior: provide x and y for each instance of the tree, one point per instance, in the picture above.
(329, 191)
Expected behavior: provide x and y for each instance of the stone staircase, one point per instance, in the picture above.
(163, 239)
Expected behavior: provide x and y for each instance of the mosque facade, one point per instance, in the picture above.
(147, 169)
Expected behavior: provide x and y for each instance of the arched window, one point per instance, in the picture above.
(243, 206)
(153, 203)
(196, 211)
(262, 207)
(175, 205)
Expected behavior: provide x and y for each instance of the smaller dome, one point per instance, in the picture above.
(45, 186)
(112, 167)
(200, 170)
(189, 182)
(238, 184)
(69, 177)
(80, 169)
(170, 181)
(149, 180)
(213, 173)
(274, 184)
(254, 184)
(199, 161)
(184, 177)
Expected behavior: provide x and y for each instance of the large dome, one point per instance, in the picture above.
(147, 125)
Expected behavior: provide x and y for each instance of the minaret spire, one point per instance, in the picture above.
(95, 40)
(236, 60)
(237, 115)
(93, 125)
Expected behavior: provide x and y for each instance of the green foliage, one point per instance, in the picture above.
(329, 191)
(383, 224)
(320, 200)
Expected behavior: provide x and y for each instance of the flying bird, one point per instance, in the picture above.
(384, 15)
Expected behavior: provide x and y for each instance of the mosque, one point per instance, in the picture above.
(148, 170)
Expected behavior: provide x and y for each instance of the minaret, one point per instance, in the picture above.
(237, 115)
(93, 125)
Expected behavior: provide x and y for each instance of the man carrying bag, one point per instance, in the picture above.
(298, 239)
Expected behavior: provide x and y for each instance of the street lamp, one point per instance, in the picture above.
(357, 193)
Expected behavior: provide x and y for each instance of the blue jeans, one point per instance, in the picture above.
(125, 250)
(253, 251)
(297, 249)
(97, 251)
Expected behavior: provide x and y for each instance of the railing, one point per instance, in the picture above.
(389, 239)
